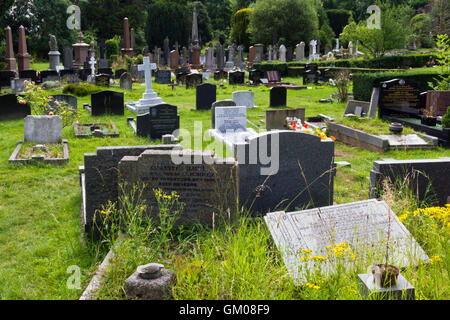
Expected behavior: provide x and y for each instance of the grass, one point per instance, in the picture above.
(40, 233)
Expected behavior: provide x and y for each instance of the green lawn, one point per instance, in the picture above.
(40, 232)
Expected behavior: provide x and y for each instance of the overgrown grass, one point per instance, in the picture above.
(40, 233)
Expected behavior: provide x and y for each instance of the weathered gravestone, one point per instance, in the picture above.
(276, 119)
(10, 108)
(357, 108)
(160, 120)
(126, 83)
(285, 169)
(206, 185)
(43, 129)
(71, 102)
(102, 80)
(278, 97)
(244, 98)
(220, 103)
(99, 180)
(193, 80)
(399, 97)
(236, 77)
(18, 85)
(429, 179)
(49, 75)
(438, 102)
(162, 76)
(363, 225)
(206, 96)
(107, 102)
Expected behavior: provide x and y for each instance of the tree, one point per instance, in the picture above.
(293, 20)
(219, 11)
(5, 5)
(392, 34)
(240, 4)
(440, 17)
(203, 19)
(240, 32)
(421, 28)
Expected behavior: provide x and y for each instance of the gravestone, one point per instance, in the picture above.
(103, 64)
(256, 75)
(107, 102)
(205, 96)
(236, 77)
(357, 108)
(107, 71)
(99, 180)
(374, 100)
(285, 169)
(18, 85)
(162, 76)
(427, 178)
(282, 53)
(399, 97)
(136, 73)
(438, 102)
(230, 119)
(289, 54)
(11, 109)
(160, 120)
(277, 97)
(43, 129)
(174, 59)
(70, 77)
(49, 75)
(68, 58)
(300, 53)
(220, 103)
(361, 224)
(276, 119)
(84, 73)
(205, 184)
(244, 98)
(71, 101)
(29, 74)
(102, 80)
(126, 82)
(119, 72)
(193, 80)
(219, 75)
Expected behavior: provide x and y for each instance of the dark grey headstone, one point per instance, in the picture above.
(107, 102)
(102, 80)
(193, 80)
(162, 76)
(5, 78)
(280, 184)
(160, 120)
(278, 97)
(236, 77)
(135, 73)
(68, 58)
(29, 74)
(103, 63)
(399, 97)
(119, 72)
(126, 82)
(66, 98)
(427, 178)
(107, 71)
(206, 96)
(10, 108)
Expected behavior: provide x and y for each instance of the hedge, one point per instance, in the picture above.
(364, 82)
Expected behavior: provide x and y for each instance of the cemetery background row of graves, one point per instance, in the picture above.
(122, 110)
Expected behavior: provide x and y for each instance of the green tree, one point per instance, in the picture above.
(440, 17)
(240, 32)
(240, 4)
(219, 11)
(293, 20)
(421, 28)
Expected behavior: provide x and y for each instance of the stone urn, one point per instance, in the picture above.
(396, 128)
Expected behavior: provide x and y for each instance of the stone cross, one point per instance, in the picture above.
(92, 64)
(147, 67)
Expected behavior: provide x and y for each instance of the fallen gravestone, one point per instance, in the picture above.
(357, 108)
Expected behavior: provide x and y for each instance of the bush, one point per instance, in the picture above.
(446, 119)
(112, 49)
(81, 89)
(364, 82)
(239, 31)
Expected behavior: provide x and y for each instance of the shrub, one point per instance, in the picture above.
(446, 119)
(112, 49)
(81, 89)
(239, 31)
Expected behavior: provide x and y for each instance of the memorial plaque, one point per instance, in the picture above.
(102, 80)
(160, 120)
(107, 102)
(206, 185)
(162, 76)
(399, 97)
(363, 225)
(231, 119)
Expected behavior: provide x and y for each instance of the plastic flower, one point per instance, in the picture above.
(333, 138)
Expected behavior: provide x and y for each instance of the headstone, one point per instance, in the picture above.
(244, 98)
(251, 55)
(278, 97)
(23, 57)
(49, 75)
(438, 101)
(196, 64)
(205, 184)
(220, 56)
(119, 73)
(11, 108)
(102, 80)
(70, 78)
(373, 108)
(29, 74)
(162, 76)
(136, 73)
(174, 59)
(43, 129)
(5, 78)
(240, 57)
(353, 105)
(427, 178)
(276, 119)
(69, 100)
(206, 96)
(209, 57)
(236, 77)
(68, 58)
(107, 102)
(107, 71)
(361, 225)
(220, 103)
(9, 56)
(126, 82)
(399, 97)
(160, 120)
(230, 119)
(103, 64)
(290, 169)
(300, 53)
(289, 54)
(80, 51)
(193, 80)
(126, 49)
(259, 52)
(18, 85)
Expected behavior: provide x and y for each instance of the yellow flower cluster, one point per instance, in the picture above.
(337, 250)
(440, 214)
(435, 259)
(160, 194)
(403, 216)
(312, 286)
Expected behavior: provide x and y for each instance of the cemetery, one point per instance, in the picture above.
(221, 162)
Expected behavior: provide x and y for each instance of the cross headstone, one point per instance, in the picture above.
(147, 67)
(92, 63)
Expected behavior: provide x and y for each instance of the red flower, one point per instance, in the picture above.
(306, 125)
(51, 114)
(333, 138)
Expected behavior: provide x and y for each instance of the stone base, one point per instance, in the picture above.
(138, 108)
(368, 289)
(151, 289)
(231, 139)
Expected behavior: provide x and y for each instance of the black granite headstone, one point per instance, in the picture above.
(236, 77)
(107, 71)
(71, 101)
(119, 72)
(220, 74)
(160, 120)
(10, 108)
(102, 80)
(107, 102)
(29, 74)
(84, 73)
(162, 76)
(6, 77)
(278, 97)
(193, 80)
(206, 96)
(399, 97)
(256, 75)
